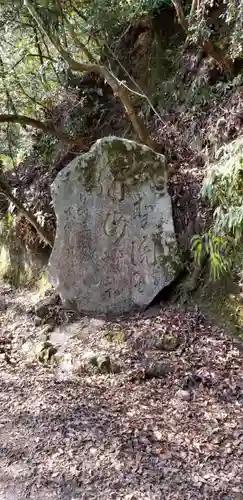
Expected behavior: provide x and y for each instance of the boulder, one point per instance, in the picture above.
(112, 251)
(157, 369)
(37, 321)
(42, 308)
(90, 358)
(99, 363)
(41, 350)
(104, 364)
(45, 352)
(168, 342)
(183, 395)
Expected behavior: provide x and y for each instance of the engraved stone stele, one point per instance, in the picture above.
(114, 228)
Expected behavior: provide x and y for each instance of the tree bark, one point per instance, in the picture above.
(48, 129)
(5, 190)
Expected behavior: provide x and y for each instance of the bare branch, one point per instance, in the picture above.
(31, 55)
(37, 44)
(137, 123)
(32, 99)
(48, 129)
(140, 92)
(28, 215)
(10, 103)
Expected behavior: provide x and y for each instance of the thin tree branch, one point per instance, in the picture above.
(48, 129)
(138, 124)
(10, 103)
(37, 43)
(80, 44)
(38, 103)
(31, 55)
(4, 188)
(49, 57)
(140, 92)
(224, 63)
(63, 18)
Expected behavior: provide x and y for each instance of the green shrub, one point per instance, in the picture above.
(222, 244)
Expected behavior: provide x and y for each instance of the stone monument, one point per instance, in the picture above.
(114, 228)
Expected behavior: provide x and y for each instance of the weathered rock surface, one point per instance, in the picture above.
(101, 363)
(42, 308)
(158, 369)
(114, 228)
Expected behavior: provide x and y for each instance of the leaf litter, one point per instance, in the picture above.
(122, 435)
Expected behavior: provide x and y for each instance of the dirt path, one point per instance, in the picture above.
(123, 436)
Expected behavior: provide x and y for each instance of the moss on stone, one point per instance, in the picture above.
(45, 352)
(138, 167)
(114, 336)
(222, 301)
(172, 261)
(86, 170)
(129, 162)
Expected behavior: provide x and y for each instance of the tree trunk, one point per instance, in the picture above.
(5, 190)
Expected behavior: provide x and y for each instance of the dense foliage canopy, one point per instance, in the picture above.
(33, 68)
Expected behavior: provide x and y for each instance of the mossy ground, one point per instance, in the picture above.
(223, 303)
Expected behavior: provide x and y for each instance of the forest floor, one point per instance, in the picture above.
(70, 436)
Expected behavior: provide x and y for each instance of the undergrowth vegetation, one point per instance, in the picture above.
(222, 244)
